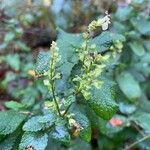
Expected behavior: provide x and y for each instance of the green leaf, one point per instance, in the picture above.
(49, 118)
(37, 141)
(33, 124)
(147, 44)
(137, 48)
(67, 44)
(129, 86)
(29, 95)
(13, 61)
(60, 133)
(123, 13)
(38, 123)
(141, 24)
(14, 105)
(81, 145)
(126, 108)
(43, 60)
(105, 39)
(9, 37)
(142, 119)
(10, 121)
(102, 101)
(67, 102)
(138, 1)
(10, 76)
(22, 46)
(84, 122)
(8, 142)
(96, 122)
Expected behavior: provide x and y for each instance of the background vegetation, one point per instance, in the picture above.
(27, 29)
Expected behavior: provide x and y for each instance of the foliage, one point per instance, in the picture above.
(83, 88)
(90, 90)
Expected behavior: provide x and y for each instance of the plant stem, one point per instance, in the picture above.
(137, 128)
(55, 100)
(66, 111)
(139, 141)
(85, 49)
(52, 86)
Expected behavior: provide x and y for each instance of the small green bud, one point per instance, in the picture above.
(46, 82)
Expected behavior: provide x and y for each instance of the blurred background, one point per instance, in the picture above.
(29, 26)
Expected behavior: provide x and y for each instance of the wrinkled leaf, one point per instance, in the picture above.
(84, 122)
(38, 123)
(37, 141)
(67, 44)
(102, 101)
(8, 142)
(43, 60)
(10, 121)
(105, 39)
(60, 133)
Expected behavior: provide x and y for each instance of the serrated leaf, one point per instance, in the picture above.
(105, 39)
(129, 86)
(84, 122)
(8, 142)
(33, 124)
(102, 101)
(49, 118)
(67, 44)
(36, 140)
(67, 102)
(10, 121)
(43, 60)
(60, 133)
(38, 123)
(137, 48)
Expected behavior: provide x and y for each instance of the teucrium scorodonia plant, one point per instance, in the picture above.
(79, 89)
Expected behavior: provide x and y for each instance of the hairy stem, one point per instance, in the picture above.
(66, 110)
(55, 100)
(53, 88)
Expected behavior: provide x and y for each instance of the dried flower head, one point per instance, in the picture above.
(104, 22)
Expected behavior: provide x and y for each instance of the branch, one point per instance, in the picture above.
(55, 100)
(137, 142)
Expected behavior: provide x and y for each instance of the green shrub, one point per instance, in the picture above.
(75, 73)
